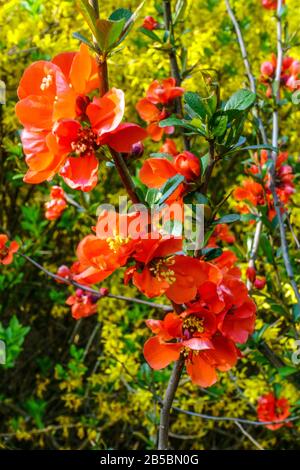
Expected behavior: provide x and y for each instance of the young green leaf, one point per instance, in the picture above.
(240, 101)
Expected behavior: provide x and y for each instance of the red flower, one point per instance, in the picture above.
(188, 165)
(83, 304)
(155, 172)
(204, 350)
(289, 73)
(159, 270)
(115, 240)
(149, 23)
(7, 251)
(163, 92)
(56, 205)
(238, 322)
(152, 115)
(270, 4)
(48, 91)
(61, 121)
(270, 408)
(251, 191)
(221, 234)
(169, 147)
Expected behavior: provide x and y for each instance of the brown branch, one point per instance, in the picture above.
(167, 405)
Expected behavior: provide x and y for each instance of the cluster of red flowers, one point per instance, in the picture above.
(271, 4)
(219, 312)
(220, 315)
(255, 194)
(290, 73)
(7, 250)
(274, 409)
(63, 127)
(156, 106)
(57, 204)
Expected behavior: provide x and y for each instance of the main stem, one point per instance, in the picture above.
(163, 436)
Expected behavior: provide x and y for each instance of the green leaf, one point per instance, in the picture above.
(109, 33)
(211, 253)
(169, 187)
(150, 34)
(248, 217)
(174, 121)
(152, 196)
(204, 162)
(286, 371)
(267, 247)
(90, 17)
(218, 124)
(180, 8)
(161, 155)
(227, 219)
(260, 147)
(120, 14)
(296, 312)
(81, 38)
(195, 106)
(240, 101)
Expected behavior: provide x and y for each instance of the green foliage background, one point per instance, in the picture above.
(85, 385)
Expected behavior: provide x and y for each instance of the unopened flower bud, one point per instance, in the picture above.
(260, 283)
(137, 150)
(251, 274)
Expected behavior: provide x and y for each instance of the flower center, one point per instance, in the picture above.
(116, 242)
(46, 82)
(160, 268)
(194, 324)
(85, 143)
(3, 252)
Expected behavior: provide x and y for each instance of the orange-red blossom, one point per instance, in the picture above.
(154, 107)
(7, 250)
(57, 203)
(63, 128)
(270, 408)
(216, 319)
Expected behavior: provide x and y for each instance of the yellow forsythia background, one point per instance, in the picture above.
(85, 385)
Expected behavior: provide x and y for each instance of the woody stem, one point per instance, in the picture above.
(119, 161)
(175, 72)
(163, 436)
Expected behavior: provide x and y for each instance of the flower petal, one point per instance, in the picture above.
(159, 354)
(81, 173)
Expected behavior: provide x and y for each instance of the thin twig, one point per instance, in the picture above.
(63, 280)
(175, 71)
(239, 420)
(248, 435)
(254, 249)
(275, 137)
